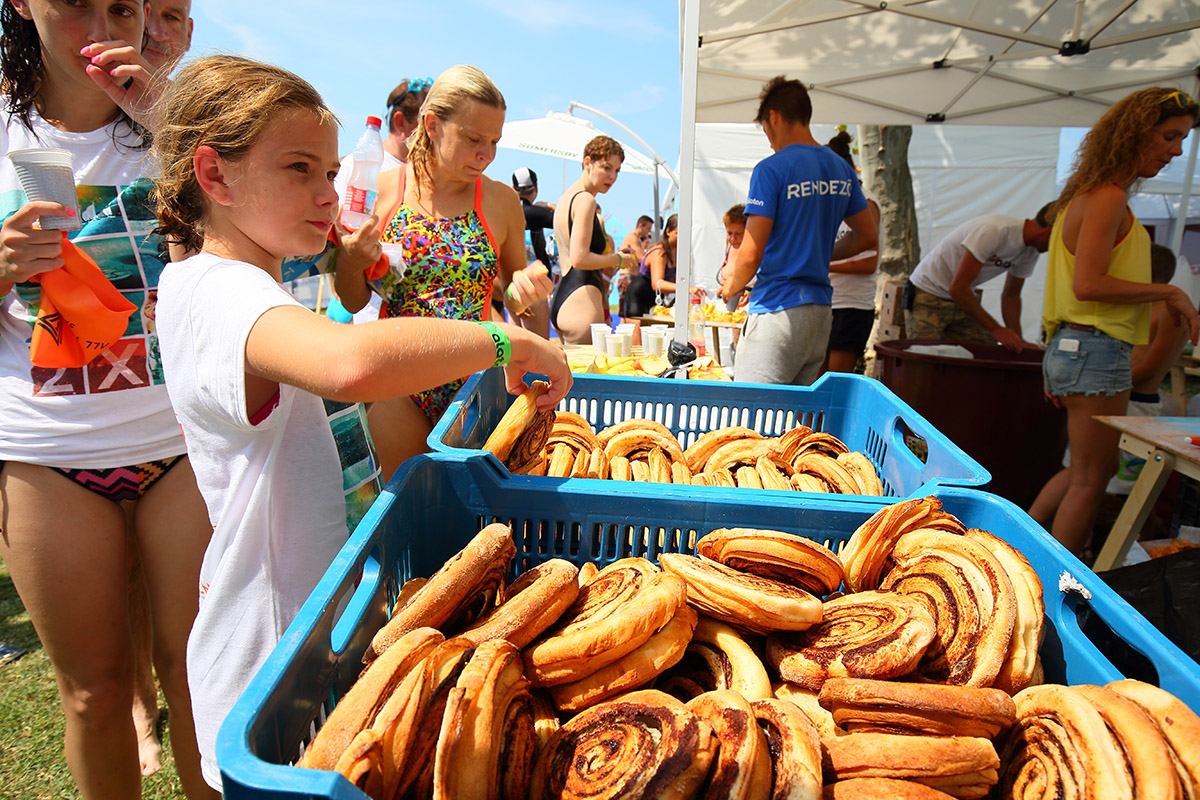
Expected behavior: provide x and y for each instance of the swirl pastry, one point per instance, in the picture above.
(835, 474)
(358, 709)
(614, 614)
(528, 452)
(774, 474)
(1018, 669)
(635, 443)
(962, 766)
(660, 652)
(516, 420)
(739, 598)
(1177, 723)
(818, 442)
(806, 482)
(917, 708)
(863, 471)
(700, 479)
(806, 700)
(532, 603)
(458, 594)
(660, 466)
(867, 556)
(722, 478)
(790, 442)
(1060, 747)
(561, 461)
(881, 789)
(775, 555)
(407, 591)
(633, 424)
(570, 428)
(680, 473)
(640, 470)
(545, 717)
(486, 745)
(795, 750)
(741, 769)
(619, 468)
(970, 597)
(717, 659)
(739, 453)
(698, 453)
(747, 478)
(644, 744)
(597, 465)
(865, 635)
(1147, 756)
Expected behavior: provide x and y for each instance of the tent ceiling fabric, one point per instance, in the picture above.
(976, 62)
(564, 136)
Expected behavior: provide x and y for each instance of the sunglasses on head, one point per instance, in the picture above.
(1181, 98)
(414, 85)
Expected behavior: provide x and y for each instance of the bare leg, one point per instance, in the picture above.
(65, 549)
(145, 693)
(1093, 460)
(399, 430)
(1045, 506)
(841, 361)
(172, 529)
(577, 313)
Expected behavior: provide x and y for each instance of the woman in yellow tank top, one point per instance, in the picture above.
(1098, 290)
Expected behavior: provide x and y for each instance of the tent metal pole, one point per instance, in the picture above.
(657, 216)
(687, 166)
(658, 159)
(1185, 197)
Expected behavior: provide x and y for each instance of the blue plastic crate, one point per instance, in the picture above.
(436, 503)
(863, 413)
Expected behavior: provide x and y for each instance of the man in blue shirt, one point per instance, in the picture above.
(798, 199)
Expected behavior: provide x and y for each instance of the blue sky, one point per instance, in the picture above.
(620, 57)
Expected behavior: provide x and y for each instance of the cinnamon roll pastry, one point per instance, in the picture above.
(859, 704)
(776, 555)
(362, 703)
(561, 462)
(774, 474)
(717, 659)
(1177, 723)
(722, 478)
(597, 466)
(828, 469)
(747, 478)
(644, 744)
(739, 453)
(864, 635)
(881, 789)
(407, 591)
(572, 429)
(535, 467)
(698, 453)
(1060, 747)
(700, 479)
(582, 459)
(867, 555)
(795, 750)
(640, 470)
(660, 466)
(633, 424)
(741, 769)
(587, 572)
(614, 614)
(789, 443)
(863, 472)
(458, 594)
(659, 653)
(532, 603)
(961, 766)
(806, 700)
(805, 482)
(1017, 670)
(619, 468)
(680, 474)
(748, 601)
(487, 743)
(516, 420)
(545, 718)
(528, 453)
(970, 597)
(637, 443)
(1147, 756)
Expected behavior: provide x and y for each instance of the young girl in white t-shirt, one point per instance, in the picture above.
(248, 155)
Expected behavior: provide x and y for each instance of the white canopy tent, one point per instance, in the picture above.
(967, 62)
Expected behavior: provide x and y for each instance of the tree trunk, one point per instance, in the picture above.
(884, 153)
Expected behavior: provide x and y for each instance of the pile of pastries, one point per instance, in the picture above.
(765, 666)
(562, 444)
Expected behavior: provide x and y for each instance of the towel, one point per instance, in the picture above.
(81, 312)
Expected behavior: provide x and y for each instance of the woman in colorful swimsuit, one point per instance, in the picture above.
(92, 455)
(457, 229)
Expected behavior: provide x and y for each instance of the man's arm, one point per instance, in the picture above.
(962, 294)
(749, 255)
(863, 235)
(1010, 302)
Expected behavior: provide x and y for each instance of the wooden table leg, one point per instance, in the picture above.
(1145, 492)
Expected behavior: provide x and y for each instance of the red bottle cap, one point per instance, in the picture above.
(375, 121)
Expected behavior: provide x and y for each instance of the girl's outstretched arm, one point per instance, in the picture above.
(391, 357)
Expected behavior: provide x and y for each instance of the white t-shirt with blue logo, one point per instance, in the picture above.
(807, 190)
(997, 241)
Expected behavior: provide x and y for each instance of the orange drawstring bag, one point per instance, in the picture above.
(81, 312)
(373, 272)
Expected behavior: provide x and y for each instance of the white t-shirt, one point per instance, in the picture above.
(853, 291)
(273, 489)
(113, 412)
(995, 240)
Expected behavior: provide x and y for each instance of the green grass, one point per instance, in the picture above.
(31, 722)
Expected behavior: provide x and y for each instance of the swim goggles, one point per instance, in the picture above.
(414, 85)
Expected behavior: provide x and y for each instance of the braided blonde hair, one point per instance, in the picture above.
(450, 94)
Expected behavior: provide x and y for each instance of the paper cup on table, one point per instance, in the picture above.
(46, 174)
(652, 339)
(614, 344)
(626, 330)
(599, 331)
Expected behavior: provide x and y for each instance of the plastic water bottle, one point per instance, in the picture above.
(358, 203)
(696, 326)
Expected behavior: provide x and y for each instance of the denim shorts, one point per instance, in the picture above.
(1087, 362)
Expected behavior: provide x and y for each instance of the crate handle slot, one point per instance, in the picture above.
(908, 444)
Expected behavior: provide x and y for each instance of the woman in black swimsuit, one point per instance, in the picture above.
(579, 299)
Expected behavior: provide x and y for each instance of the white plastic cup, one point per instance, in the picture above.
(599, 331)
(614, 344)
(653, 338)
(46, 174)
(626, 330)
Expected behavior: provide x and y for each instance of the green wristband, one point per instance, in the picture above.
(501, 341)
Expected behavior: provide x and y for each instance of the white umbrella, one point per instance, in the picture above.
(564, 136)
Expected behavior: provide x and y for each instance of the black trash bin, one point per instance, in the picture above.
(992, 406)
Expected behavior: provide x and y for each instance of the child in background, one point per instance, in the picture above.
(249, 154)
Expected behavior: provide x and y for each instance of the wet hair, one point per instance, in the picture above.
(787, 97)
(1109, 152)
(840, 144)
(449, 96)
(22, 67)
(1043, 218)
(225, 102)
(406, 102)
(736, 215)
(601, 147)
(1162, 264)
